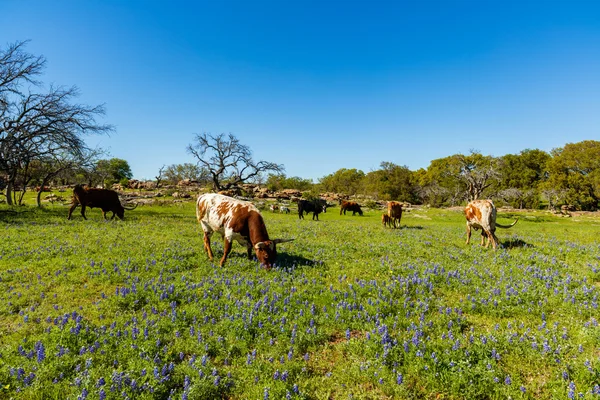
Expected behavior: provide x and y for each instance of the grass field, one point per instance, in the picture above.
(133, 309)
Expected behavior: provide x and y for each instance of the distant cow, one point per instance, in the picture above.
(350, 206)
(316, 206)
(235, 220)
(481, 214)
(284, 209)
(395, 213)
(273, 207)
(386, 220)
(105, 199)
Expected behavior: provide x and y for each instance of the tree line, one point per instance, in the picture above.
(569, 175)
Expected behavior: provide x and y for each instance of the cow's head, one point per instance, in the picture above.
(266, 251)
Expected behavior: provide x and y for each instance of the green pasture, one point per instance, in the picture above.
(134, 309)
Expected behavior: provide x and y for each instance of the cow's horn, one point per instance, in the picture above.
(260, 245)
(276, 241)
(131, 208)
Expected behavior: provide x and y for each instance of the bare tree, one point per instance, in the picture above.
(227, 161)
(16, 66)
(159, 178)
(38, 126)
(478, 172)
(43, 125)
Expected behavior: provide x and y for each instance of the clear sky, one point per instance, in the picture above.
(323, 85)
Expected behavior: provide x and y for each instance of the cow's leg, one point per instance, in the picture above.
(495, 240)
(226, 250)
(485, 235)
(113, 216)
(207, 244)
(249, 251)
(468, 233)
(73, 207)
(83, 211)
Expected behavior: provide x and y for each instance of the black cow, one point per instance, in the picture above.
(105, 199)
(316, 206)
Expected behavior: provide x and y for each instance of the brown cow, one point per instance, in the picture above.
(105, 199)
(481, 214)
(235, 220)
(350, 206)
(395, 213)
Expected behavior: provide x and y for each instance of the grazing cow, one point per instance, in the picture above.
(350, 206)
(481, 214)
(273, 207)
(284, 209)
(105, 199)
(386, 220)
(395, 213)
(316, 206)
(235, 220)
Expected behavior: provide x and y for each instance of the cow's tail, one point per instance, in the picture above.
(507, 226)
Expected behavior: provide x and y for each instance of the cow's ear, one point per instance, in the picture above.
(260, 245)
(277, 241)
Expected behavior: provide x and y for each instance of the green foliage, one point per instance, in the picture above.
(391, 182)
(347, 181)
(178, 172)
(113, 170)
(575, 169)
(277, 182)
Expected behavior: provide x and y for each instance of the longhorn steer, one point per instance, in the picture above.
(235, 220)
(481, 214)
(105, 199)
(350, 206)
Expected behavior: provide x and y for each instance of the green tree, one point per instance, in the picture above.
(575, 169)
(347, 181)
(520, 177)
(113, 171)
(392, 182)
(280, 181)
(178, 172)
(441, 184)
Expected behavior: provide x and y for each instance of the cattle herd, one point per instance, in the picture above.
(241, 221)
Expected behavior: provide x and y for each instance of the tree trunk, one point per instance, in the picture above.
(9, 194)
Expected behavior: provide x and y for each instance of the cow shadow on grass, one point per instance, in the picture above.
(286, 260)
(409, 227)
(515, 243)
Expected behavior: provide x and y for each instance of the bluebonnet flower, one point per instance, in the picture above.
(399, 379)
(41, 352)
(571, 392)
(507, 380)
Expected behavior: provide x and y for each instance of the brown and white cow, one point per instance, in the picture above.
(353, 206)
(395, 213)
(481, 214)
(235, 220)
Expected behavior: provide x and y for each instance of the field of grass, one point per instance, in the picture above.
(134, 309)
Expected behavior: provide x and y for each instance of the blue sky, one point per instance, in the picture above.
(323, 85)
